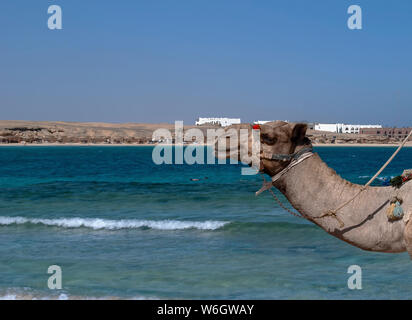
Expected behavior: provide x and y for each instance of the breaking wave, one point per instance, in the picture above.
(378, 178)
(98, 224)
(33, 295)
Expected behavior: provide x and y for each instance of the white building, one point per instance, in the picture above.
(224, 122)
(343, 128)
(266, 121)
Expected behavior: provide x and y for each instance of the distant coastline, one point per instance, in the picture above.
(408, 145)
(57, 133)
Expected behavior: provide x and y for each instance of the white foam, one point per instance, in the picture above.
(63, 296)
(379, 178)
(21, 295)
(98, 224)
(8, 297)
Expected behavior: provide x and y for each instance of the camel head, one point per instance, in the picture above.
(280, 137)
(276, 137)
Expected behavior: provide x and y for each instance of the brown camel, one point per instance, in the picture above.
(314, 189)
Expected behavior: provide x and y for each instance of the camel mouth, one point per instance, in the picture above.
(238, 143)
(227, 146)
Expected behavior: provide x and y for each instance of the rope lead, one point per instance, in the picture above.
(363, 188)
(330, 213)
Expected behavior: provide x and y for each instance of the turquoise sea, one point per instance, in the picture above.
(120, 226)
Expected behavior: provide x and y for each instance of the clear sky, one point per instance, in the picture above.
(166, 60)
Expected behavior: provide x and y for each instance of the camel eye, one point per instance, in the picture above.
(267, 139)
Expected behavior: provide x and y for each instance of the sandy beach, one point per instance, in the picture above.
(391, 145)
(408, 144)
(58, 133)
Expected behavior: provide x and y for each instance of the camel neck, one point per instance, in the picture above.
(313, 189)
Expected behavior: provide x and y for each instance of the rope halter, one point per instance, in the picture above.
(294, 158)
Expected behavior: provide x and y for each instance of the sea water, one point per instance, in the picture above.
(120, 226)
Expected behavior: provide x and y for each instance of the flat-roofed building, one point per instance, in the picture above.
(329, 127)
(267, 121)
(399, 133)
(224, 122)
(344, 128)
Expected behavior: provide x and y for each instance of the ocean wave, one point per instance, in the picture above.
(378, 178)
(98, 224)
(275, 227)
(21, 296)
(33, 295)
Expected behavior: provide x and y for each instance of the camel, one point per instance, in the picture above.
(314, 189)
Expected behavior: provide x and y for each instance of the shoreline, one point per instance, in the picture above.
(392, 145)
(46, 133)
(407, 145)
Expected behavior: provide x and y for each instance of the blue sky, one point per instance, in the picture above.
(167, 60)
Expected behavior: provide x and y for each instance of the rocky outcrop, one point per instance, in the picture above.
(26, 132)
(321, 137)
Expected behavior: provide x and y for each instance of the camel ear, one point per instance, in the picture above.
(299, 132)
